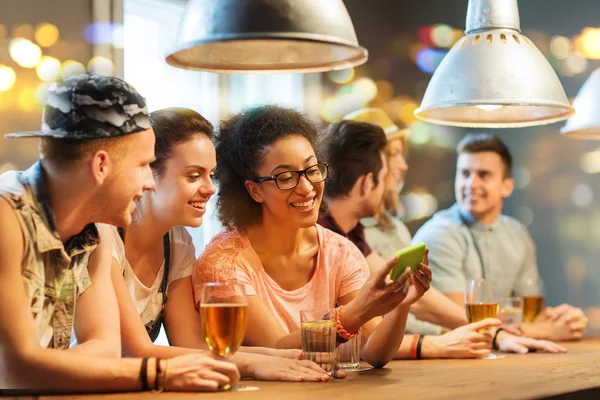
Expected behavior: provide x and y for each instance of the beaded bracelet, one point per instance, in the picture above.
(340, 328)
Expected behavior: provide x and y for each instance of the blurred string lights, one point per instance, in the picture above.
(35, 56)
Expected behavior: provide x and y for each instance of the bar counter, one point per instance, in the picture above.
(574, 375)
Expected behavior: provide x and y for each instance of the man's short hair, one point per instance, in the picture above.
(352, 149)
(64, 153)
(483, 142)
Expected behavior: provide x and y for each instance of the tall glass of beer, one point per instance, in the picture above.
(223, 310)
(481, 301)
(532, 291)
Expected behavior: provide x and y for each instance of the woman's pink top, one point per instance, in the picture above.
(229, 257)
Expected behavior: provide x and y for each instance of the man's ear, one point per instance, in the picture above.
(255, 191)
(366, 183)
(508, 185)
(101, 166)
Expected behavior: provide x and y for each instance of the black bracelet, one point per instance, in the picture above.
(158, 372)
(494, 344)
(339, 339)
(144, 374)
(419, 344)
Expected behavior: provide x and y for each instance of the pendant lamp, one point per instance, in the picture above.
(494, 77)
(266, 36)
(585, 124)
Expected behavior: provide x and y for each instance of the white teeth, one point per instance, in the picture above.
(304, 204)
(197, 204)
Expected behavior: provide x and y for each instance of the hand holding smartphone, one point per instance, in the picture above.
(410, 256)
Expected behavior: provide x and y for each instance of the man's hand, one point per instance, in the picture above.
(518, 344)
(560, 323)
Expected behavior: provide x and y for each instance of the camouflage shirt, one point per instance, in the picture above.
(54, 274)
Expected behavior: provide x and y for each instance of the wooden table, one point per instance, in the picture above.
(534, 375)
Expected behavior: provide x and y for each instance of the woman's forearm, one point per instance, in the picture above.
(384, 343)
(290, 341)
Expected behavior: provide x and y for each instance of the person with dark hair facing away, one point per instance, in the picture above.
(356, 155)
(96, 148)
(154, 255)
(472, 239)
(271, 178)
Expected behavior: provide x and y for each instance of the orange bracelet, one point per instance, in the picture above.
(344, 334)
(413, 346)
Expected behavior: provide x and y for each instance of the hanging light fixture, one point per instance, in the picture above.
(266, 36)
(585, 124)
(494, 77)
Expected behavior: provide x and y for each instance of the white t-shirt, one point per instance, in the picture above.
(148, 300)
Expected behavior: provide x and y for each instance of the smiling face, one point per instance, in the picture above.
(481, 184)
(397, 165)
(373, 196)
(185, 184)
(129, 179)
(294, 208)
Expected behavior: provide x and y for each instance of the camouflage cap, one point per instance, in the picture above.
(91, 106)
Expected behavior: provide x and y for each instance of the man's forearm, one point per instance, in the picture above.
(436, 308)
(97, 347)
(57, 371)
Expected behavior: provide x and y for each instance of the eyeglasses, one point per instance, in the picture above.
(288, 180)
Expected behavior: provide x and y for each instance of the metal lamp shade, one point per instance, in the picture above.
(585, 124)
(494, 77)
(266, 36)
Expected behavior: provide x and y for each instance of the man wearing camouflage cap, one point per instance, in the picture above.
(96, 148)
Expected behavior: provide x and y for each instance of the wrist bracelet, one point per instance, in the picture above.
(164, 385)
(144, 374)
(340, 328)
(413, 346)
(494, 344)
(157, 382)
(419, 345)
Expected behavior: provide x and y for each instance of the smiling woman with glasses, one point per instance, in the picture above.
(271, 180)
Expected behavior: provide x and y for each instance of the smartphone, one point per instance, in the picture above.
(410, 256)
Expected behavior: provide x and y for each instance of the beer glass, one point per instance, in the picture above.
(223, 309)
(481, 301)
(532, 291)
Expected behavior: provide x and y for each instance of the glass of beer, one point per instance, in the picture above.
(481, 302)
(223, 311)
(318, 337)
(532, 291)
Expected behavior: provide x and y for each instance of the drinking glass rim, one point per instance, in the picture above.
(318, 309)
(222, 284)
(481, 279)
(510, 298)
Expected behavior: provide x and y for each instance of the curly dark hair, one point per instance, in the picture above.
(240, 144)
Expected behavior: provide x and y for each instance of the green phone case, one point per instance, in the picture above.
(410, 256)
